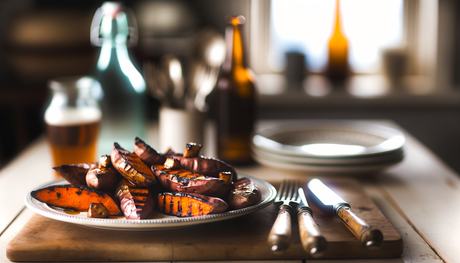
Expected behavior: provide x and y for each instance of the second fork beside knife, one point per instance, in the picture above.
(293, 199)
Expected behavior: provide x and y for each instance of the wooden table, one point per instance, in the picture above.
(419, 196)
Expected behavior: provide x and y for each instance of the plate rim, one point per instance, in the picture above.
(150, 224)
(347, 161)
(328, 169)
(358, 126)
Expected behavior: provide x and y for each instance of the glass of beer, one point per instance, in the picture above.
(72, 121)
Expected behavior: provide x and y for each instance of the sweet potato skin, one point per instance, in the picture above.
(75, 197)
(147, 154)
(103, 179)
(198, 164)
(75, 174)
(136, 202)
(245, 193)
(131, 167)
(207, 166)
(187, 205)
(189, 182)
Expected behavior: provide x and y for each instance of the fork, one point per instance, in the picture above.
(280, 234)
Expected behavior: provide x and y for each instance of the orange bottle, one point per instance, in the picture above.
(235, 100)
(337, 69)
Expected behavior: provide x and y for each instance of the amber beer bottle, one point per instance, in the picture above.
(337, 69)
(235, 99)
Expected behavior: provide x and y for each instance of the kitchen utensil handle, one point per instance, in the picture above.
(280, 234)
(371, 238)
(313, 241)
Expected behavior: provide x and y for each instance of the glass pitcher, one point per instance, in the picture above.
(72, 121)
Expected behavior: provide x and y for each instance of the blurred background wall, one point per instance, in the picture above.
(410, 75)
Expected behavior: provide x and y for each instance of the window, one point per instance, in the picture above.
(422, 30)
(305, 26)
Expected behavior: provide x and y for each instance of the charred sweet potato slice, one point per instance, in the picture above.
(172, 163)
(192, 150)
(186, 205)
(245, 193)
(206, 166)
(103, 178)
(105, 161)
(198, 164)
(131, 167)
(75, 174)
(226, 177)
(147, 154)
(136, 202)
(189, 182)
(74, 197)
(98, 210)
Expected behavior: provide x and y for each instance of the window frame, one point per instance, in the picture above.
(428, 50)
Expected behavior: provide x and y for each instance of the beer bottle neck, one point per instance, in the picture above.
(337, 27)
(235, 53)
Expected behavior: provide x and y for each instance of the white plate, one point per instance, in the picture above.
(393, 156)
(162, 222)
(358, 170)
(329, 139)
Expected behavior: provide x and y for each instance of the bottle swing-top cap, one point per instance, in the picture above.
(110, 10)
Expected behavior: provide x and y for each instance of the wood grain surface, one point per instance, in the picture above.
(243, 238)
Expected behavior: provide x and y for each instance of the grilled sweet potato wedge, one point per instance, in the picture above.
(136, 202)
(172, 163)
(75, 174)
(147, 154)
(198, 164)
(206, 166)
(245, 193)
(98, 210)
(131, 167)
(185, 205)
(105, 161)
(103, 178)
(192, 150)
(189, 182)
(74, 197)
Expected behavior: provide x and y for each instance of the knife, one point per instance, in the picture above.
(371, 238)
(313, 241)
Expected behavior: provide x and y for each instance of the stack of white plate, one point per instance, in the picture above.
(329, 147)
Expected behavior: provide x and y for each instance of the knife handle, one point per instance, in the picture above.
(280, 234)
(371, 238)
(312, 240)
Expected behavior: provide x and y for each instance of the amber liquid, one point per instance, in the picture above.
(235, 103)
(72, 144)
(337, 64)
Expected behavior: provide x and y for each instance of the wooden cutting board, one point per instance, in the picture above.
(242, 238)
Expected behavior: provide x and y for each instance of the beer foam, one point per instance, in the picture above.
(72, 116)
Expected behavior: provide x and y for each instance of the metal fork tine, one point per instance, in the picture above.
(289, 190)
(295, 191)
(292, 190)
(285, 190)
(280, 191)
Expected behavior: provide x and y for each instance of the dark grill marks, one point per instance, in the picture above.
(140, 195)
(171, 204)
(183, 205)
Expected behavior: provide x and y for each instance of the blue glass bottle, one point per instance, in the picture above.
(123, 92)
